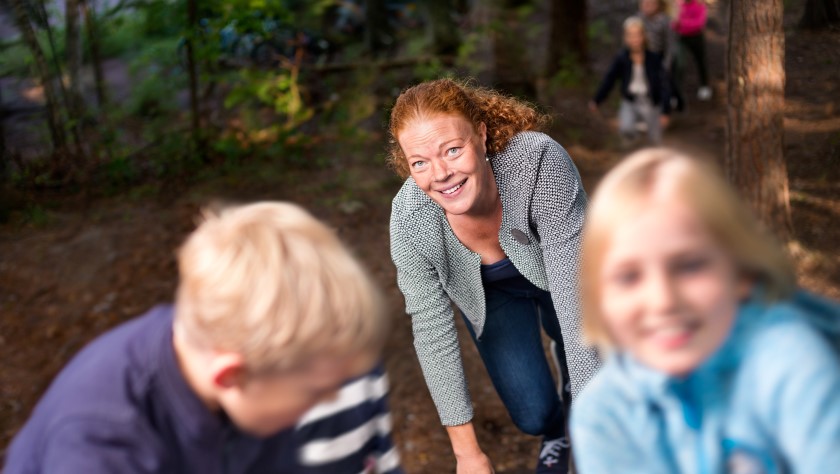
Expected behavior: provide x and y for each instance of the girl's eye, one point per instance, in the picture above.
(691, 265)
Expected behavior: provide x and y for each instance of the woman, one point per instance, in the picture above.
(490, 219)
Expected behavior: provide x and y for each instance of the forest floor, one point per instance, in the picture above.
(80, 267)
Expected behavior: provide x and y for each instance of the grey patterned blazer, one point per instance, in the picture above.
(543, 206)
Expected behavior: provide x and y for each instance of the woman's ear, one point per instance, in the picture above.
(482, 133)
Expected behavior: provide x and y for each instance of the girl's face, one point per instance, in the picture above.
(649, 7)
(669, 292)
(634, 38)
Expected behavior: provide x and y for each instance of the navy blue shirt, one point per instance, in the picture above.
(122, 405)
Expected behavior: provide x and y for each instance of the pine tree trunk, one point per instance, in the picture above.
(568, 43)
(54, 119)
(445, 39)
(513, 71)
(192, 21)
(95, 52)
(754, 160)
(820, 14)
(73, 53)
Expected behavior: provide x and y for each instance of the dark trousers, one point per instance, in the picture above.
(696, 46)
(512, 351)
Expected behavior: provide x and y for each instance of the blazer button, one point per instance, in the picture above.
(519, 236)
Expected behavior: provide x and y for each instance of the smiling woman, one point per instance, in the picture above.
(489, 218)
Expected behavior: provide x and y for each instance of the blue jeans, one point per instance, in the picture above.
(512, 351)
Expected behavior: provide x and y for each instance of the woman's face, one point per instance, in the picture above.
(669, 292)
(446, 157)
(634, 38)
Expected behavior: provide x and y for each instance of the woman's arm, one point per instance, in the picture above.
(558, 203)
(436, 343)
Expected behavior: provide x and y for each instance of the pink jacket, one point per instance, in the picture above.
(691, 18)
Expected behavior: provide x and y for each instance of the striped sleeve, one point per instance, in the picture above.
(352, 433)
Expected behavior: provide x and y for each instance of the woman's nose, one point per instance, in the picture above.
(440, 171)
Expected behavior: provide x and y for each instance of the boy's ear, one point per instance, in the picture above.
(227, 370)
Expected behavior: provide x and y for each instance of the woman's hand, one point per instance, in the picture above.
(471, 459)
(474, 464)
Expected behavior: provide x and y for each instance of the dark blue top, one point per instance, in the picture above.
(503, 274)
(122, 405)
(659, 90)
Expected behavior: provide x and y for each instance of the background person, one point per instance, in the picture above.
(489, 218)
(645, 92)
(716, 361)
(272, 317)
(690, 25)
(661, 39)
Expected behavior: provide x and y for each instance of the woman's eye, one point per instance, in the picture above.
(453, 151)
(625, 278)
(418, 164)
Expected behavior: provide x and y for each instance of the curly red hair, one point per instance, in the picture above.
(504, 116)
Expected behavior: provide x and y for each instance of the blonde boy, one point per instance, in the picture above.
(272, 316)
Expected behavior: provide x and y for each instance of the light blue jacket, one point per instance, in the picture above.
(768, 401)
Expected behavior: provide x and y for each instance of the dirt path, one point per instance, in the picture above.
(75, 273)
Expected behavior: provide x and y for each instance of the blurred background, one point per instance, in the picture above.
(119, 119)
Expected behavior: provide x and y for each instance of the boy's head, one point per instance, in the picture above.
(634, 34)
(272, 314)
(668, 252)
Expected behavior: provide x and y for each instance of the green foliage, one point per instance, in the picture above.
(36, 215)
(570, 74)
(15, 58)
(599, 33)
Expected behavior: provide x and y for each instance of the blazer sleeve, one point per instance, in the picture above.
(608, 81)
(557, 213)
(433, 324)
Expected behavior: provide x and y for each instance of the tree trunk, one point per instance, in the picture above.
(54, 120)
(754, 160)
(73, 53)
(445, 38)
(568, 43)
(95, 52)
(192, 22)
(513, 70)
(820, 14)
(379, 36)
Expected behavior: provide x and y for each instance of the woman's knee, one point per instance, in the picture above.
(539, 422)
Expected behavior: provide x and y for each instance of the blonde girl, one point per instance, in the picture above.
(714, 360)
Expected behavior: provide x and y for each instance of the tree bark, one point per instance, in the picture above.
(513, 71)
(192, 22)
(91, 28)
(379, 36)
(568, 42)
(54, 119)
(73, 54)
(754, 160)
(445, 38)
(820, 14)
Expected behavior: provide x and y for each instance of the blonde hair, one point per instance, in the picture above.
(504, 116)
(626, 190)
(270, 282)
